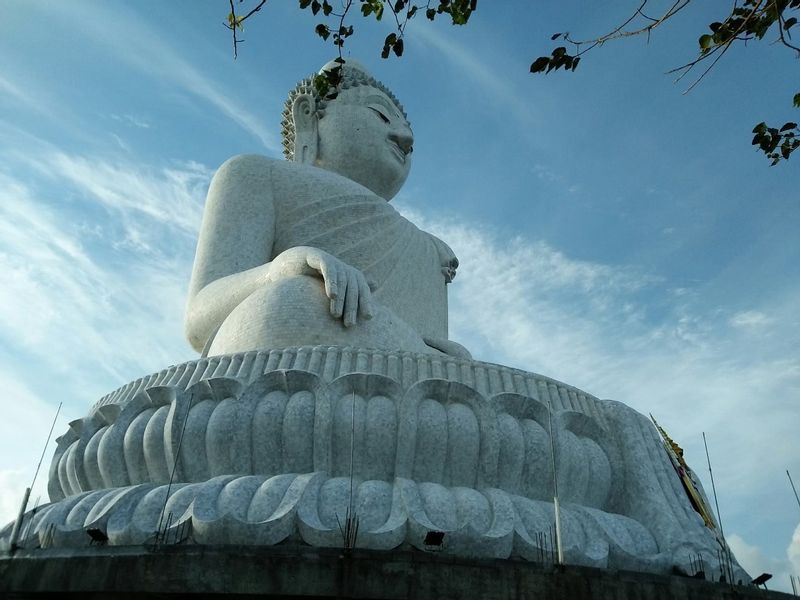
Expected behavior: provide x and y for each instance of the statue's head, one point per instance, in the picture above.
(361, 134)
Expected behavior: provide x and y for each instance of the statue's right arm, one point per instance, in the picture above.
(234, 247)
(235, 253)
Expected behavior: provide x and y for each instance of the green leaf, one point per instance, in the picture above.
(788, 126)
(398, 48)
(388, 44)
(540, 64)
(789, 22)
(321, 85)
(555, 36)
(706, 41)
(305, 3)
(315, 6)
(333, 75)
(430, 13)
(796, 101)
(323, 31)
(760, 128)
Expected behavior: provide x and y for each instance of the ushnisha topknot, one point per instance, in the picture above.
(353, 74)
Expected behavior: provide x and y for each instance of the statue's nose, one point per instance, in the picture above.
(403, 138)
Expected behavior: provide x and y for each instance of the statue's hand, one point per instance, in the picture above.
(346, 287)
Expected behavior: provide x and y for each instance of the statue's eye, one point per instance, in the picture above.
(383, 117)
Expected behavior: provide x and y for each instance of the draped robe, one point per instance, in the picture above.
(408, 266)
(258, 208)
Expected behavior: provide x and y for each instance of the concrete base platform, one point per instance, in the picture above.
(302, 572)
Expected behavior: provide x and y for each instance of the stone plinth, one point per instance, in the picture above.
(302, 572)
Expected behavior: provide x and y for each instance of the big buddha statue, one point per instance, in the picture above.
(327, 391)
(308, 250)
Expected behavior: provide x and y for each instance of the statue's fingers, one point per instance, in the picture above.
(338, 301)
(329, 276)
(351, 298)
(365, 307)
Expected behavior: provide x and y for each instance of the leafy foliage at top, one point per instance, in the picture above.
(747, 20)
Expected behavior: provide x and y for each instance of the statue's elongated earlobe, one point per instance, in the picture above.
(306, 139)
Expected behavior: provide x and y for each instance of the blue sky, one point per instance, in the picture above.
(613, 232)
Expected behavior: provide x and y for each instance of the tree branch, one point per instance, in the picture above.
(235, 22)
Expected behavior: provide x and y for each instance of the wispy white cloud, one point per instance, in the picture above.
(750, 319)
(9, 89)
(121, 143)
(132, 121)
(137, 188)
(134, 42)
(756, 561)
(472, 66)
(73, 295)
(793, 552)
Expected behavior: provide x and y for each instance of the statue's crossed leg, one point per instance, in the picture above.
(295, 311)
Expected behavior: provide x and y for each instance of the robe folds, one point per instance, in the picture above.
(408, 267)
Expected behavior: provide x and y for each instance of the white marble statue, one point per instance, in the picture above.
(328, 387)
(308, 251)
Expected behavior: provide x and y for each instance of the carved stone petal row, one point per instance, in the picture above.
(438, 431)
(257, 510)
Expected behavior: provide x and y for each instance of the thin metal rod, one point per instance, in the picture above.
(352, 450)
(793, 488)
(18, 523)
(559, 550)
(44, 450)
(174, 464)
(350, 530)
(30, 521)
(719, 515)
(20, 517)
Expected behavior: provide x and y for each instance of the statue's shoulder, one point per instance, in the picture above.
(252, 177)
(247, 164)
(283, 172)
(242, 180)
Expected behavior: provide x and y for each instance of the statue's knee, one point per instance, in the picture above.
(271, 316)
(296, 293)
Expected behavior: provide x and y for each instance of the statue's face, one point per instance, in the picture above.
(364, 137)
